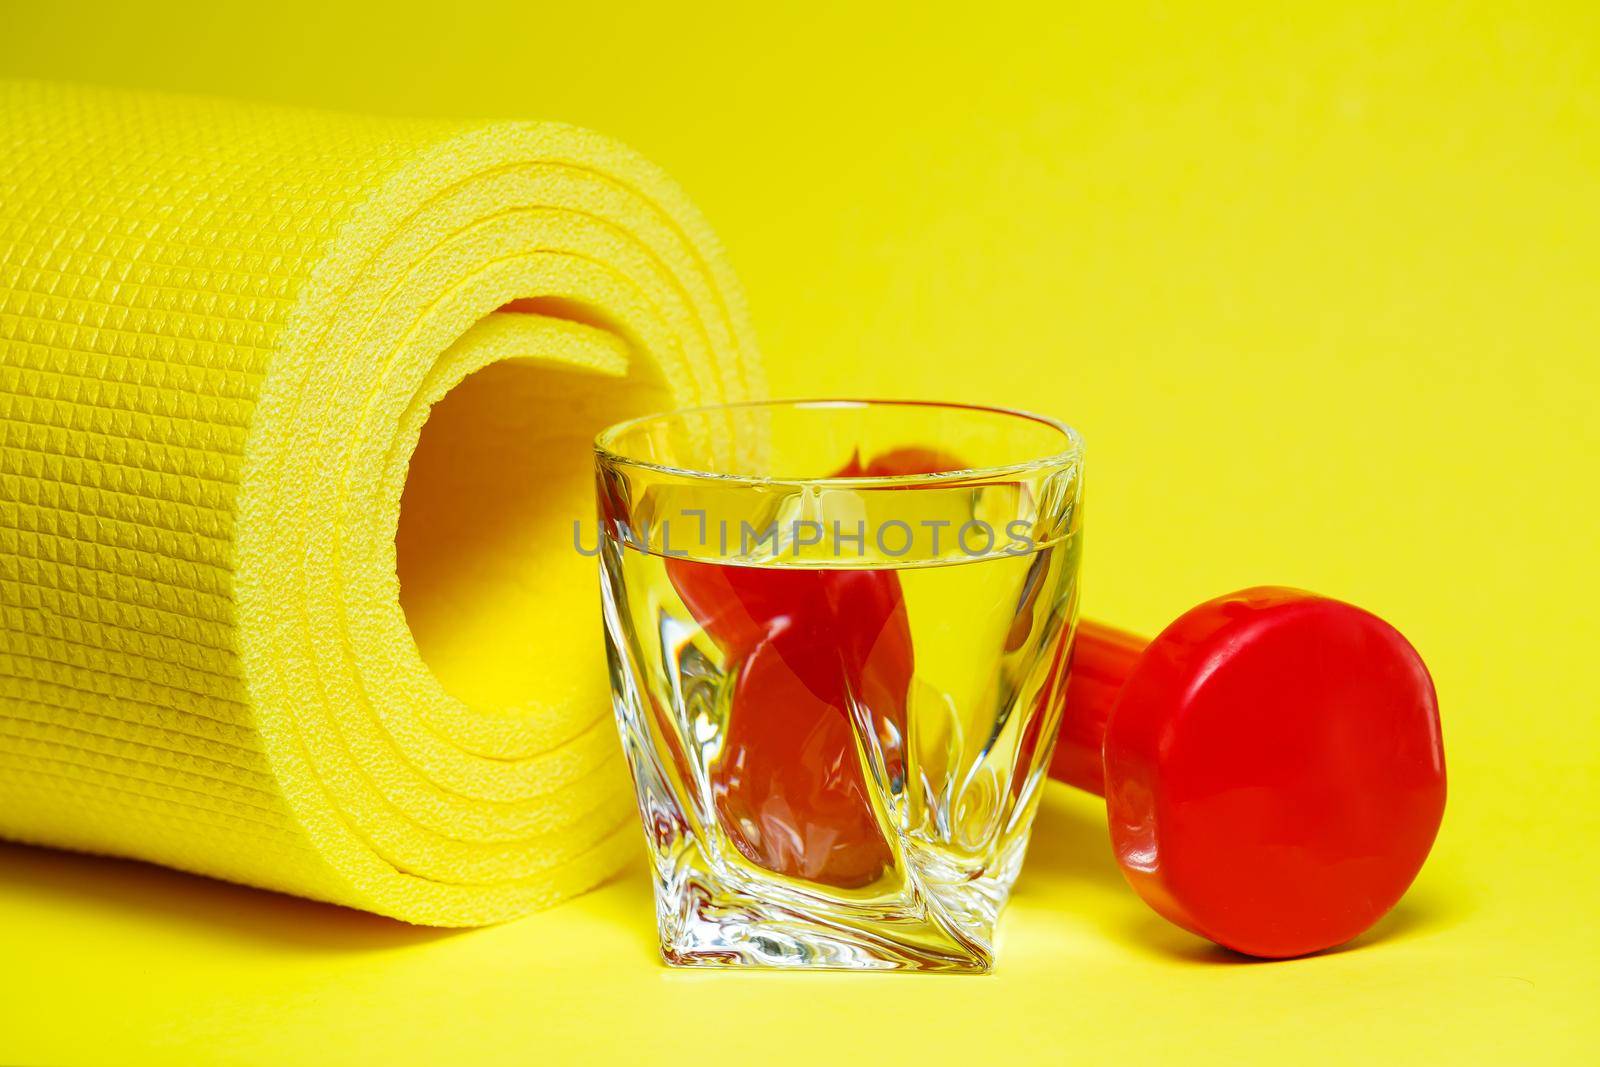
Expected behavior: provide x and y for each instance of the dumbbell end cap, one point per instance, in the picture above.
(1274, 771)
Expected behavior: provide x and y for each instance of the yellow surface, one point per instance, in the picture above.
(1319, 284)
(292, 435)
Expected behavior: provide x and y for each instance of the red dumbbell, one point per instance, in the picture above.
(1271, 763)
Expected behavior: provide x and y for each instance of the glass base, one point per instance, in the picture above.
(703, 924)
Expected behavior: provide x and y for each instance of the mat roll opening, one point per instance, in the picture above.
(499, 497)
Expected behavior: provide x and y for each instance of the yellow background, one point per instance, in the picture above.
(1321, 288)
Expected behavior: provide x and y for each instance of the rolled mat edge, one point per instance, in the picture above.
(223, 330)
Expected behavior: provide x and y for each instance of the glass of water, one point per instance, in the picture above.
(838, 633)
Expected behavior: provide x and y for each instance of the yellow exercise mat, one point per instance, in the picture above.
(295, 414)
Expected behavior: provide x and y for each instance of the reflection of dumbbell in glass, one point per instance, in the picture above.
(1271, 763)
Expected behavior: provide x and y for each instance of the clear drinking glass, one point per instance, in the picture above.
(838, 632)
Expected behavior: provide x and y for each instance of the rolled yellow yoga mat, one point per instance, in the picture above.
(295, 413)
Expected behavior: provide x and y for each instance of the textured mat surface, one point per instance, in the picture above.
(249, 625)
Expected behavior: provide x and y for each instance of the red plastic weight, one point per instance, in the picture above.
(1271, 763)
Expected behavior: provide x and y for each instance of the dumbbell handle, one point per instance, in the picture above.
(1102, 659)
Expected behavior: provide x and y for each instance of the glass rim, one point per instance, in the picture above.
(1072, 440)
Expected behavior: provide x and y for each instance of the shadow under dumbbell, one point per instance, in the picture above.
(1070, 848)
(1070, 864)
(1417, 914)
